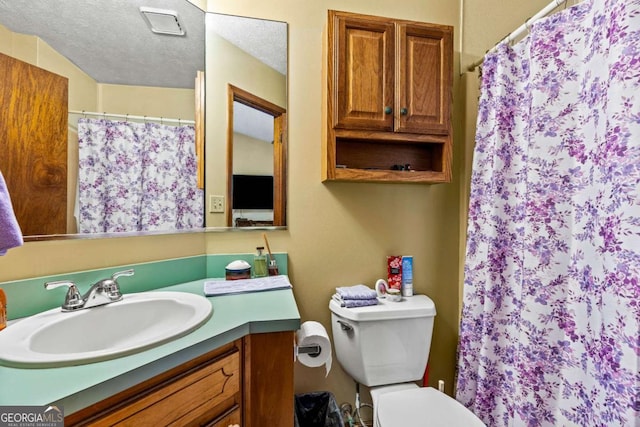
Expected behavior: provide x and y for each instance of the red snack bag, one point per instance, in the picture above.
(394, 272)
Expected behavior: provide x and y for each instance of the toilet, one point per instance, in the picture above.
(386, 347)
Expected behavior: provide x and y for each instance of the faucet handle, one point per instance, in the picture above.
(73, 300)
(129, 272)
(112, 287)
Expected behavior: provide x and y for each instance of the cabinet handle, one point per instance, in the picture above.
(388, 110)
(403, 111)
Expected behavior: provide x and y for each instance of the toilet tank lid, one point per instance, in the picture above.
(407, 308)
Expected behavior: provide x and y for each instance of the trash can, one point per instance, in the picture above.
(317, 409)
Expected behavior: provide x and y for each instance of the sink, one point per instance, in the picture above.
(140, 321)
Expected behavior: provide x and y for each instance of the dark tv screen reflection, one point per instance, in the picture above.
(252, 192)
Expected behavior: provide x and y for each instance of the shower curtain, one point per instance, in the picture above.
(550, 329)
(137, 177)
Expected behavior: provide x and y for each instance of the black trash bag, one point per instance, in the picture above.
(318, 409)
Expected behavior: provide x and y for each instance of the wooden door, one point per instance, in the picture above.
(364, 72)
(425, 78)
(279, 151)
(33, 139)
(280, 169)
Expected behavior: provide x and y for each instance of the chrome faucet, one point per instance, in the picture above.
(102, 292)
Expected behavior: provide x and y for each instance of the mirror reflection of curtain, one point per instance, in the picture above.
(137, 177)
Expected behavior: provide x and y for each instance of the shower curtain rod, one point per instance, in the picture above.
(129, 116)
(521, 29)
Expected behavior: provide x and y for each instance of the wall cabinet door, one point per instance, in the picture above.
(425, 74)
(364, 61)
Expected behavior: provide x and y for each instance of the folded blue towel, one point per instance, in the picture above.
(351, 303)
(10, 234)
(356, 292)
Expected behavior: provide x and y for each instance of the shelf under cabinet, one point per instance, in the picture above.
(376, 155)
(369, 175)
(367, 158)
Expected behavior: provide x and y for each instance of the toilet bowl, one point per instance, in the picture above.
(386, 348)
(410, 405)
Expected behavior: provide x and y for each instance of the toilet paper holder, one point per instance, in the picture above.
(311, 349)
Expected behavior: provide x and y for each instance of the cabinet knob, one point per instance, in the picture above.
(403, 111)
(388, 110)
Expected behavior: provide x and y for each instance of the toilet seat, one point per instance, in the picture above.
(423, 407)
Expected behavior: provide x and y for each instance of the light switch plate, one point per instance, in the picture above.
(216, 204)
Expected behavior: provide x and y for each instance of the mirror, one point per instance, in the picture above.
(117, 96)
(254, 76)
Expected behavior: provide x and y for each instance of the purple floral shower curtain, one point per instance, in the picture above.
(550, 329)
(137, 177)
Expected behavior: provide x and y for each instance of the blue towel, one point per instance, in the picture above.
(356, 292)
(351, 303)
(10, 234)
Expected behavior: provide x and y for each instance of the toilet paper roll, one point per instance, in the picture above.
(313, 333)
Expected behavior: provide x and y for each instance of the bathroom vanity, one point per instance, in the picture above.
(229, 385)
(237, 368)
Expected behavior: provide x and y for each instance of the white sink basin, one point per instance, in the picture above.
(55, 338)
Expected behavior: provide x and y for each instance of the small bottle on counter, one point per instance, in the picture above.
(259, 263)
(273, 268)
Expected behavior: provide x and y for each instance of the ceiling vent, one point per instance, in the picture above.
(163, 21)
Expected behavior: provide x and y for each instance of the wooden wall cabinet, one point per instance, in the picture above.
(388, 103)
(248, 382)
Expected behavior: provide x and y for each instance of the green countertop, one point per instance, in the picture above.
(77, 387)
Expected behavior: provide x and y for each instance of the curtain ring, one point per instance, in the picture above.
(126, 118)
(162, 121)
(527, 23)
(84, 114)
(505, 39)
(509, 40)
(144, 119)
(179, 122)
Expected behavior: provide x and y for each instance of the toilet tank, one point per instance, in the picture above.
(386, 343)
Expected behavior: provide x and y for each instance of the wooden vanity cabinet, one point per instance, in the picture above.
(246, 382)
(388, 103)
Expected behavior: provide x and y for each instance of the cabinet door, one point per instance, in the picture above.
(425, 78)
(268, 380)
(363, 72)
(188, 400)
(206, 391)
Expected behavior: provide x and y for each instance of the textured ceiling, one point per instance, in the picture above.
(263, 39)
(110, 41)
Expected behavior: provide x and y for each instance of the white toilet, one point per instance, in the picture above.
(386, 347)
